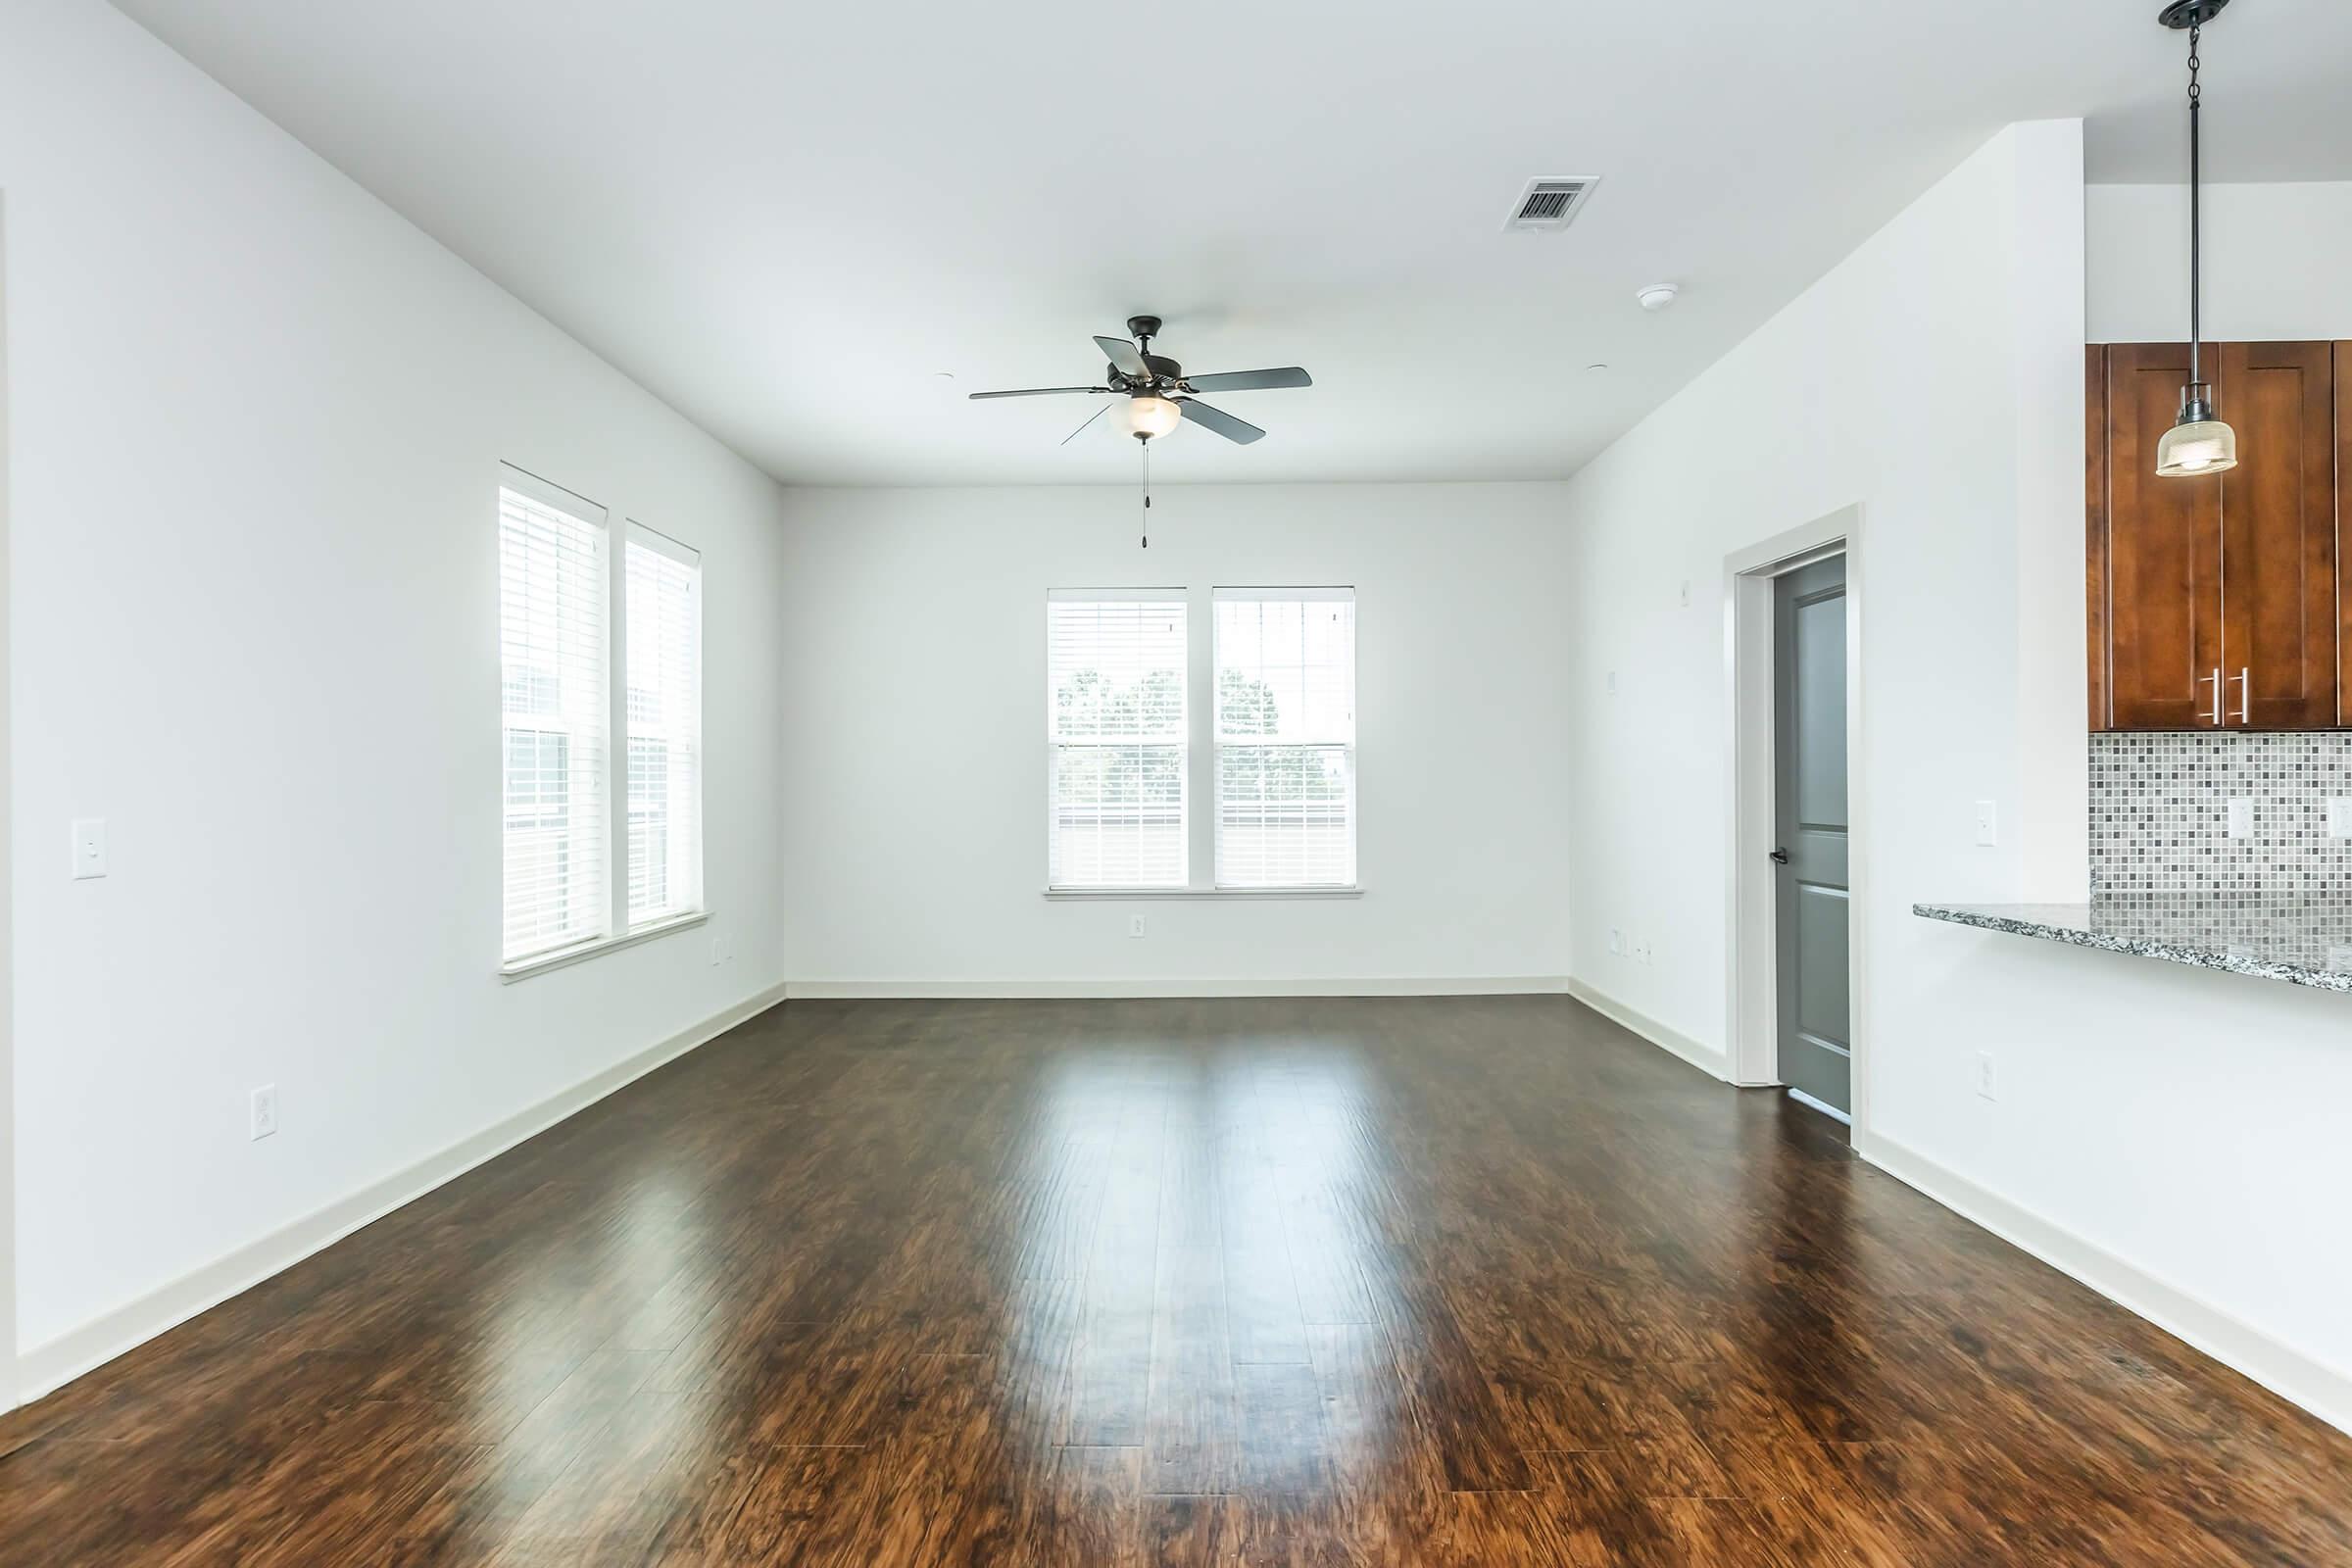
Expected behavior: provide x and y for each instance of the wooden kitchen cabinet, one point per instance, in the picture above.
(2215, 601)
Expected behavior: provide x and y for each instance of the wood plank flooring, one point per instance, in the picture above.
(1138, 1285)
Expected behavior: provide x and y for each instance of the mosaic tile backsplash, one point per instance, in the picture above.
(2160, 820)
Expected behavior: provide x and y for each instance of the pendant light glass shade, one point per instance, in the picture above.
(1148, 416)
(2194, 447)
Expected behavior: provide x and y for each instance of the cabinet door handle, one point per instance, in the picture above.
(2216, 678)
(2245, 694)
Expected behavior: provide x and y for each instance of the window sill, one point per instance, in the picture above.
(1081, 894)
(565, 957)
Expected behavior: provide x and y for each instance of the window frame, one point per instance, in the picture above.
(1219, 743)
(1200, 751)
(1186, 745)
(639, 536)
(615, 533)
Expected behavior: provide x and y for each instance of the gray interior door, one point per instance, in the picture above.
(1809, 713)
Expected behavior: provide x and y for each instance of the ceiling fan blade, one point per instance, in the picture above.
(1217, 419)
(1124, 357)
(1250, 380)
(1090, 418)
(1036, 392)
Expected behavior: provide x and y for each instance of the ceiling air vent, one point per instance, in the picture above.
(1551, 203)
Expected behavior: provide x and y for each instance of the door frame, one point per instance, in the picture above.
(1751, 947)
(10, 1382)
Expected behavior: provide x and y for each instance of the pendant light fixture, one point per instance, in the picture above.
(2198, 443)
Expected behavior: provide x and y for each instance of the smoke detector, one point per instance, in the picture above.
(1656, 297)
(1551, 202)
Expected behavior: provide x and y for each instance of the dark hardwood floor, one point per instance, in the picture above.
(1467, 1281)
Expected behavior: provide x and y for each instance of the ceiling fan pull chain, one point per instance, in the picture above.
(1146, 539)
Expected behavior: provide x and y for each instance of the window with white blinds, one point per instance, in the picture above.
(663, 622)
(1285, 760)
(553, 620)
(1115, 675)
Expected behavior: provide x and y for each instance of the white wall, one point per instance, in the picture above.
(2275, 261)
(914, 808)
(2161, 1131)
(257, 423)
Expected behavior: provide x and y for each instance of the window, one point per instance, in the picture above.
(1115, 669)
(560, 664)
(551, 622)
(664, 626)
(1275, 750)
(1285, 737)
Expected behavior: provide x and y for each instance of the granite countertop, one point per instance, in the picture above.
(2304, 945)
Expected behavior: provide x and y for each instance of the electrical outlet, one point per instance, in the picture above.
(2241, 817)
(1135, 925)
(2340, 817)
(1685, 593)
(89, 848)
(1988, 1082)
(1612, 683)
(263, 1111)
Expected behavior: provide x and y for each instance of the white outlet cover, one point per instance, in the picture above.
(89, 848)
(2241, 817)
(1135, 925)
(2340, 817)
(1988, 824)
(263, 1111)
(1988, 1082)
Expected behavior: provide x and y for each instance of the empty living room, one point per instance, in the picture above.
(940, 786)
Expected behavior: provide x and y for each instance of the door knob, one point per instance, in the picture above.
(1780, 856)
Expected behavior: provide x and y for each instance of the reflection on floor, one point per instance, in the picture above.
(1461, 1282)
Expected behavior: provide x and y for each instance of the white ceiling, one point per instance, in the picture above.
(788, 218)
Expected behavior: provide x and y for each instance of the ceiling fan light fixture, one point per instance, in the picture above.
(1146, 415)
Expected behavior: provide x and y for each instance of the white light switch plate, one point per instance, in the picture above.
(1988, 824)
(2241, 817)
(89, 848)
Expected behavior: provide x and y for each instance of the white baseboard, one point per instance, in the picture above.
(953, 990)
(1706, 1058)
(46, 1367)
(2323, 1390)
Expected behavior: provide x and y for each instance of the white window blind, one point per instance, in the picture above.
(664, 624)
(553, 596)
(1115, 669)
(1285, 737)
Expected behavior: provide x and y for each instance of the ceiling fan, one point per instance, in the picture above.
(1154, 393)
